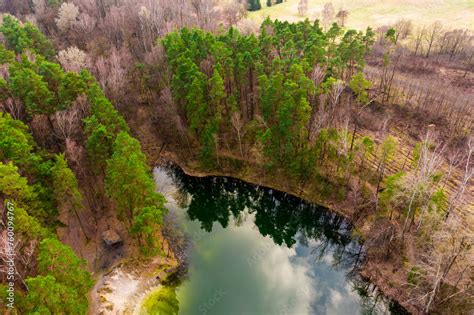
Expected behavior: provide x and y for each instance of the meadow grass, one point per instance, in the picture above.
(453, 14)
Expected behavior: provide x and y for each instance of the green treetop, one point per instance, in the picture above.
(47, 296)
(59, 260)
(25, 36)
(130, 184)
(16, 143)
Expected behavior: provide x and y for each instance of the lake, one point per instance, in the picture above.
(257, 251)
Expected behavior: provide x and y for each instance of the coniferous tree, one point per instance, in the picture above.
(130, 185)
(47, 296)
(254, 5)
(25, 36)
(16, 143)
(66, 189)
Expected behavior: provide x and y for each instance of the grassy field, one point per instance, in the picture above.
(453, 14)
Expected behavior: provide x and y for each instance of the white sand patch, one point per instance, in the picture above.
(118, 293)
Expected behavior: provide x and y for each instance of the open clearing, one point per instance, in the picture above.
(453, 14)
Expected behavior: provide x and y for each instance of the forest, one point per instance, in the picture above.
(40, 184)
(376, 125)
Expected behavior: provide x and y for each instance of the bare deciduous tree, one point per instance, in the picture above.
(73, 59)
(112, 71)
(403, 28)
(450, 261)
(74, 152)
(67, 122)
(14, 107)
(39, 6)
(85, 23)
(67, 16)
(206, 13)
(89, 7)
(302, 7)
(317, 103)
(342, 16)
(430, 158)
(23, 252)
(233, 12)
(432, 35)
(457, 199)
(247, 26)
(420, 35)
(328, 14)
(453, 42)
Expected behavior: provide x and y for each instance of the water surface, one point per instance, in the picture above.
(256, 251)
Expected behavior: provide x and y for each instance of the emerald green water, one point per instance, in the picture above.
(257, 251)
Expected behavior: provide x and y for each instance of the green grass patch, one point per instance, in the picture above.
(162, 301)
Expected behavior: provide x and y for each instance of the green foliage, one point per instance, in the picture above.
(391, 35)
(21, 37)
(161, 302)
(366, 145)
(6, 56)
(14, 186)
(145, 223)
(392, 186)
(71, 86)
(16, 143)
(389, 146)
(65, 185)
(54, 3)
(101, 127)
(29, 227)
(35, 183)
(438, 201)
(58, 260)
(30, 87)
(130, 184)
(47, 296)
(17, 150)
(103, 110)
(4, 90)
(265, 80)
(414, 275)
(359, 85)
(196, 108)
(41, 85)
(128, 181)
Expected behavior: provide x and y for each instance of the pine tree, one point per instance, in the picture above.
(30, 87)
(197, 107)
(16, 143)
(66, 189)
(254, 5)
(129, 183)
(59, 260)
(47, 296)
(27, 36)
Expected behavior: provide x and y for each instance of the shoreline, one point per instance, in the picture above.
(372, 272)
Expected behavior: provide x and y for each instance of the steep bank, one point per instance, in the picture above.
(386, 276)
